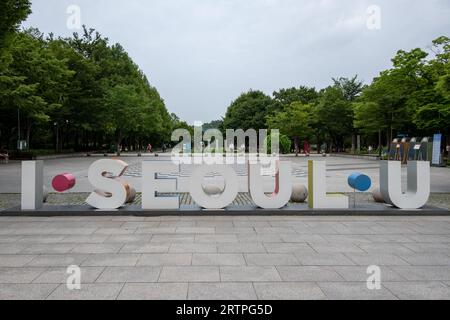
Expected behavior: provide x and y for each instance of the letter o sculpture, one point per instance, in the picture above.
(220, 201)
(359, 181)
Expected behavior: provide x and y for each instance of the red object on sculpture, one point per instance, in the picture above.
(63, 182)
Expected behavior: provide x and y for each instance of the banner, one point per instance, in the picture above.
(436, 160)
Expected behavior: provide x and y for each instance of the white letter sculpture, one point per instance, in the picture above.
(317, 181)
(32, 185)
(216, 201)
(111, 193)
(418, 184)
(151, 184)
(282, 193)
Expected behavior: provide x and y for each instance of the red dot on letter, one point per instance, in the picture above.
(63, 182)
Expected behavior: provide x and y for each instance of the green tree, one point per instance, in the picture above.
(249, 111)
(12, 13)
(302, 94)
(295, 122)
(334, 115)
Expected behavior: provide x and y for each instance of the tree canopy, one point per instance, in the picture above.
(412, 97)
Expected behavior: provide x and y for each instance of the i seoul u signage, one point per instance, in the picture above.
(112, 192)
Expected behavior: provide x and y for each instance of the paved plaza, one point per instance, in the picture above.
(223, 257)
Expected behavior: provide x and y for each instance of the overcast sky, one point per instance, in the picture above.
(201, 54)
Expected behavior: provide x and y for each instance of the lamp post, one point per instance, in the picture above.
(18, 129)
(57, 135)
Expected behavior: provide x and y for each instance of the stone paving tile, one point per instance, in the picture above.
(30, 231)
(222, 259)
(359, 273)
(97, 248)
(288, 291)
(193, 248)
(271, 259)
(310, 238)
(145, 248)
(243, 230)
(114, 231)
(60, 275)
(323, 259)
(96, 291)
(154, 291)
(354, 291)
(5, 239)
(172, 259)
(172, 238)
(105, 224)
(276, 230)
(156, 230)
(288, 248)
(74, 231)
(189, 274)
(288, 222)
(195, 230)
(418, 273)
(341, 238)
(308, 273)
(419, 290)
(426, 259)
(260, 237)
(241, 248)
(367, 259)
(221, 291)
(172, 224)
(55, 248)
(86, 239)
(216, 238)
(392, 230)
(385, 248)
(57, 260)
(425, 238)
(214, 224)
(259, 224)
(128, 238)
(12, 248)
(141, 224)
(249, 273)
(428, 247)
(40, 239)
(387, 238)
(129, 275)
(111, 260)
(19, 275)
(336, 248)
(15, 260)
(26, 291)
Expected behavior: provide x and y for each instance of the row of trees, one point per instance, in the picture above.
(79, 93)
(413, 98)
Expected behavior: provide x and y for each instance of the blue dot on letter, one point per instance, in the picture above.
(359, 181)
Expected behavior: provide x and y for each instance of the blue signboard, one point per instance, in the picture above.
(437, 140)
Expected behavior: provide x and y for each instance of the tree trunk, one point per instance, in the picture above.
(380, 144)
(353, 143)
(29, 125)
(119, 140)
